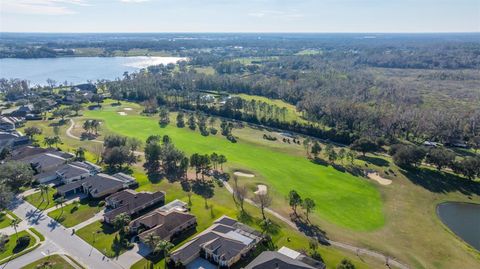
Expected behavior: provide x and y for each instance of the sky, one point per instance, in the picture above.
(322, 16)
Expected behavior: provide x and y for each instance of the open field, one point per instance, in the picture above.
(423, 243)
(53, 261)
(85, 209)
(342, 198)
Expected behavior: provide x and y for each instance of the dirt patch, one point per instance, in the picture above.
(379, 179)
(242, 174)
(121, 113)
(128, 109)
(261, 189)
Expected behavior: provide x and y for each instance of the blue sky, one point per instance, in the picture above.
(240, 15)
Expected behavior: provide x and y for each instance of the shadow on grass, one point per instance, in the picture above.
(374, 160)
(441, 182)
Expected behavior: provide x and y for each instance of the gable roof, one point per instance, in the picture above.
(276, 260)
(130, 200)
(70, 171)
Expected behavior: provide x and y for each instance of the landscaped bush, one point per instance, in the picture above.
(22, 243)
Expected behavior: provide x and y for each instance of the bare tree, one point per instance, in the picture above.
(263, 200)
(239, 194)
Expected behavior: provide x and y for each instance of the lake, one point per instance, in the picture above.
(76, 70)
(463, 219)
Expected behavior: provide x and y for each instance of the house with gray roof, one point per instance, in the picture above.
(224, 243)
(99, 185)
(131, 202)
(284, 258)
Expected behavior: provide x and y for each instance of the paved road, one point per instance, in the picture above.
(60, 239)
(345, 246)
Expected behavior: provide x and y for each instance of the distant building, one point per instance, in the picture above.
(284, 258)
(99, 185)
(12, 140)
(224, 243)
(131, 202)
(8, 124)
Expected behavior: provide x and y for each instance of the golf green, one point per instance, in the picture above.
(341, 198)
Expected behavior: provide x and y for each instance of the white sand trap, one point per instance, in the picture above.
(241, 174)
(121, 113)
(379, 179)
(128, 109)
(261, 189)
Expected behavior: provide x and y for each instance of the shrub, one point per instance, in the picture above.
(101, 204)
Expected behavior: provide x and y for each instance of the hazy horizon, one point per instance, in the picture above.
(248, 16)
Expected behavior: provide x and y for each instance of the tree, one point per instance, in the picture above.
(316, 149)
(263, 200)
(3, 242)
(294, 200)
(14, 224)
(191, 122)
(32, 131)
(440, 157)
(346, 264)
(475, 142)
(342, 154)
(221, 160)
(180, 119)
(308, 205)
(59, 202)
(406, 156)
(164, 246)
(6, 196)
(80, 154)
(351, 156)
(152, 240)
(121, 221)
(306, 145)
(164, 117)
(331, 154)
(49, 141)
(76, 107)
(15, 174)
(97, 98)
(240, 194)
(44, 192)
(469, 167)
(62, 113)
(214, 159)
(116, 157)
(364, 145)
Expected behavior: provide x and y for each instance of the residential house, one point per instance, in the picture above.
(99, 185)
(12, 140)
(8, 124)
(166, 222)
(131, 202)
(284, 258)
(45, 162)
(224, 243)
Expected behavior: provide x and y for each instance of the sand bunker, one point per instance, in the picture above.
(128, 109)
(379, 179)
(121, 113)
(241, 174)
(261, 189)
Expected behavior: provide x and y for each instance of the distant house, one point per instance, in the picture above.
(88, 87)
(12, 140)
(284, 258)
(99, 185)
(29, 151)
(8, 124)
(223, 243)
(131, 202)
(165, 222)
(22, 111)
(45, 162)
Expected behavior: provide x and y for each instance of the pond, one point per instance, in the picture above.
(463, 219)
(76, 70)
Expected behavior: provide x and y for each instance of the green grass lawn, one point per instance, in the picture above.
(4, 220)
(341, 198)
(10, 249)
(51, 262)
(85, 209)
(42, 203)
(101, 237)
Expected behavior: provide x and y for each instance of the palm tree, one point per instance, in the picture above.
(43, 192)
(165, 246)
(14, 224)
(59, 201)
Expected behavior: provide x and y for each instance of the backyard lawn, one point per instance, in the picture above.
(76, 213)
(11, 246)
(5, 220)
(50, 262)
(341, 198)
(45, 202)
